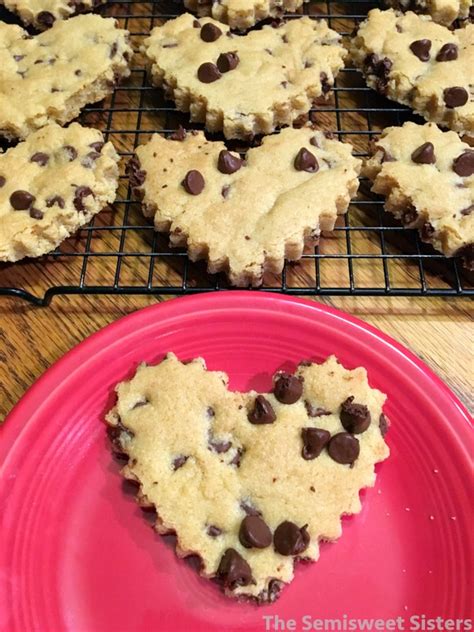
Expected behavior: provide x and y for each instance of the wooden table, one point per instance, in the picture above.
(31, 338)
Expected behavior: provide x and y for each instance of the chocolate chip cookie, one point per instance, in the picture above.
(427, 178)
(51, 76)
(442, 11)
(242, 14)
(245, 216)
(42, 14)
(412, 60)
(249, 482)
(244, 85)
(50, 185)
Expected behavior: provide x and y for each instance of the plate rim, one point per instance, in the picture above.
(13, 425)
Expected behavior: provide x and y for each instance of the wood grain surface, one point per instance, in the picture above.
(439, 330)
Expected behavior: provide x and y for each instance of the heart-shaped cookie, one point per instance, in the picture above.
(412, 60)
(51, 76)
(242, 14)
(249, 482)
(244, 85)
(245, 217)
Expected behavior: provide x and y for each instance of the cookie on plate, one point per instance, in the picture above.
(412, 60)
(242, 14)
(249, 482)
(42, 14)
(427, 178)
(50, 185)
(244, 85)
(51, 76)
(245, 216)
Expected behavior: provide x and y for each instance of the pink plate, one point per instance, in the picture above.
(77, 554)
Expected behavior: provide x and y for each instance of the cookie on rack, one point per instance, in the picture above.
(42, 14)
(442, 11)
(242, 14)
(427, 178)
(245, 216)
(412, 60)
(250, 483)
(244, 85)
(50, 185)
(51, 76)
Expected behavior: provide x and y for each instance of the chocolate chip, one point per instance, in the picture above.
(56, 199)
(80, 194)
(113, 50)
(354, 417)
(448, 52)
(71, 152)
(289, 539)
(314, 440)
(237, 458)
(135, 174)
(421, 49)
(89, 159)
(40, 157)
(210, 412)
(18, 57)
(220, 446)
(179, 135)
(383, 425)
(325, 84)
(77, 72)
(274, 589)
(314, 411)
(98, 146)
(288, 388)
(463, 165)
(210, 32)
(254, 533)
(409, 216)
(213, 531)
(306, 161)
(249, 509)
(234, 570)
(35, 213)
(455, 97)
(173, 45)
(344, 448)
(380, 68)
(424, 155)
(468, 210)
(227, 61)
(179, 461)
(228, 163)
(21, 200)
(2, 181)
(208, 72)
(196, 24)
(193, 182)
(45, 18)
(140, 403)
(225, 191)
(262, 412)
(427, 231)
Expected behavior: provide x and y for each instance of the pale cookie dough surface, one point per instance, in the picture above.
(435, 195)
(402, 57)
(51, 76)
(242, 14)
(204, 466)
(442, 11)
(246, 222)
(43, 13)
(63, 176)
(279, 73)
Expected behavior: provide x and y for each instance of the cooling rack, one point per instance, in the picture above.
(368, 253)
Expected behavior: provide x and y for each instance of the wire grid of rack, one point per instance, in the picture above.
(368, 253)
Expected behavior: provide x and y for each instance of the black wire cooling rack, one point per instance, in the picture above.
(368, 253)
